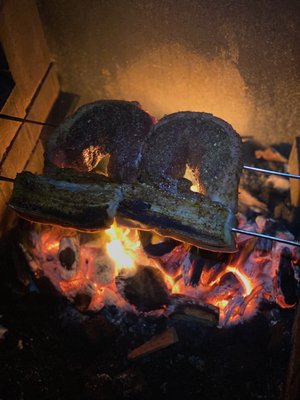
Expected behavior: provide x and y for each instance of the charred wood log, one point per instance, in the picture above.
(202, 258)
(158, 342)
(90, 202)
(294, 168)
(286, 278)
(197, 264)
(190, 309)
(82, 301)
(156, 249)
(146, 289)
(171, 262)
(292, 387)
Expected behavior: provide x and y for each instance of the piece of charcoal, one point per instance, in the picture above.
(230, 279)
(291, 215)
(67, 258)
(264, 246)
(82, 301)
(146, 289)
(200, 258)
(158, 249)
(296, 256)
(214, 257)
(197, 264)
(286, 278)
(185, 308)
(171, 262)
(156, 343)
(271, 227)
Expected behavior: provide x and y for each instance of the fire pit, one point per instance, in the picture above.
(113, 268)
(133, 267)
(149, 294)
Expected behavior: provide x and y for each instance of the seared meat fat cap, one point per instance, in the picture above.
(107, 127)
(206, 146)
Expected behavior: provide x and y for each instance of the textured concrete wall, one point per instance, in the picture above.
(238, 59)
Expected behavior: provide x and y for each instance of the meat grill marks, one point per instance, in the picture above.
(107, 127)
(206, 145)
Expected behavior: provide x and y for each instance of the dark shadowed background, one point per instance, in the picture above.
(239, 60)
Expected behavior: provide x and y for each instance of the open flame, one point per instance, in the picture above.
(121, 248)
(236, 286)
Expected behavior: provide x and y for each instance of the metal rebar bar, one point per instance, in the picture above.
(264, 236)
(5, 179)
(268, 171)
(30, 121)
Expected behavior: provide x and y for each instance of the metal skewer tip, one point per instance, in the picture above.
(264, 236)
(268, 171)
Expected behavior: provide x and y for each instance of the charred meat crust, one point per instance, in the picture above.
(89, 202)
(106, 127)
(206, 144)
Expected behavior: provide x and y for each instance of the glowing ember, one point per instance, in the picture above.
(91, 266)
(246, 282)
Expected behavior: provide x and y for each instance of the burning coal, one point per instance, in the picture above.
(178, 177)
(109, 267)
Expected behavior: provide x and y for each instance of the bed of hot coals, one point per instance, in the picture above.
(122, 315)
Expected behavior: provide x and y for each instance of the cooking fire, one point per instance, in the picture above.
(143, 230)
(161, 198)
(113, 268)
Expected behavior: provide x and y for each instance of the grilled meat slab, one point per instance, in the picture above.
(89, 202)
(107, 127)
(206, 145)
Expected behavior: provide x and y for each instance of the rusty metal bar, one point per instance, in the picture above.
(30, 121)
(5, 179)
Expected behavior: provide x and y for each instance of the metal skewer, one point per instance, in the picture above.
(264, 236)
(268, 171)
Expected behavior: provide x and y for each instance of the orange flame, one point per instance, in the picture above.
(235, 289)
(122, 248)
